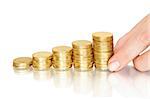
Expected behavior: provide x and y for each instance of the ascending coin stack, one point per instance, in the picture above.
(82, 55)
(62, 57)
(102, 48)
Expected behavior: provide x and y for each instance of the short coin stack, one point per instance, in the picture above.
(103, 49)
(42, 60)
(22, 63)
(62, 57)
(82, 55)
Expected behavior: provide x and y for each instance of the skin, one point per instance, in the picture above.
(131, 45)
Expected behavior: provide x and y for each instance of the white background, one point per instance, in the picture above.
(27, 26)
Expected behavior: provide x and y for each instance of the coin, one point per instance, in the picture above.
(22, 63)
(62, 57)
(82, 55)
(42, 60)
(102, 36)
(81, 44)
(102, 48)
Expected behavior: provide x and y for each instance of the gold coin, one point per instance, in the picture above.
(22, 63)
(83, 67)
(62, 57)
(62, 65)
(81, 44)
(82, 59)
(103, 44)
(42, 65)
(99, 59)
(103, 54)
(62, 49)
(42, 60)
(82, 52)
(102, 49)
(102, 62)
(80, 63)
(67, 58)
(97, 65)
(102, 67)
(82, 55)
(42, 55)
(102, 36)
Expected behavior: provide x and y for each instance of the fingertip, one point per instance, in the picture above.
(113, 66)
(118, 61)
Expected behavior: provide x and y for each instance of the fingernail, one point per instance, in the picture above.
(113, 66)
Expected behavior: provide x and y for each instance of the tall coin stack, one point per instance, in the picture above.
(62, 57)
(103, 49)
(42, 60)
(82, 55)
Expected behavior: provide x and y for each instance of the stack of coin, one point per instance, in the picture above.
(82, 55)
(22, 63)
(42, 60)
(103, 49)
(62, 57)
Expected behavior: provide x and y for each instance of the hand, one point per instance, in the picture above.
(130, 47)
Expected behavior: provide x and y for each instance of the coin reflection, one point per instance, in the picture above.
(62, 79)
(82, 81)
(101, 86)
(22, 71)
(42, 75)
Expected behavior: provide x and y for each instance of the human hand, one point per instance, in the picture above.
(130, 46)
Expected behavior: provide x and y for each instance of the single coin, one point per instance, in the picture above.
(42, 54)
(62, 49)
(102, 36)
(81, 44)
